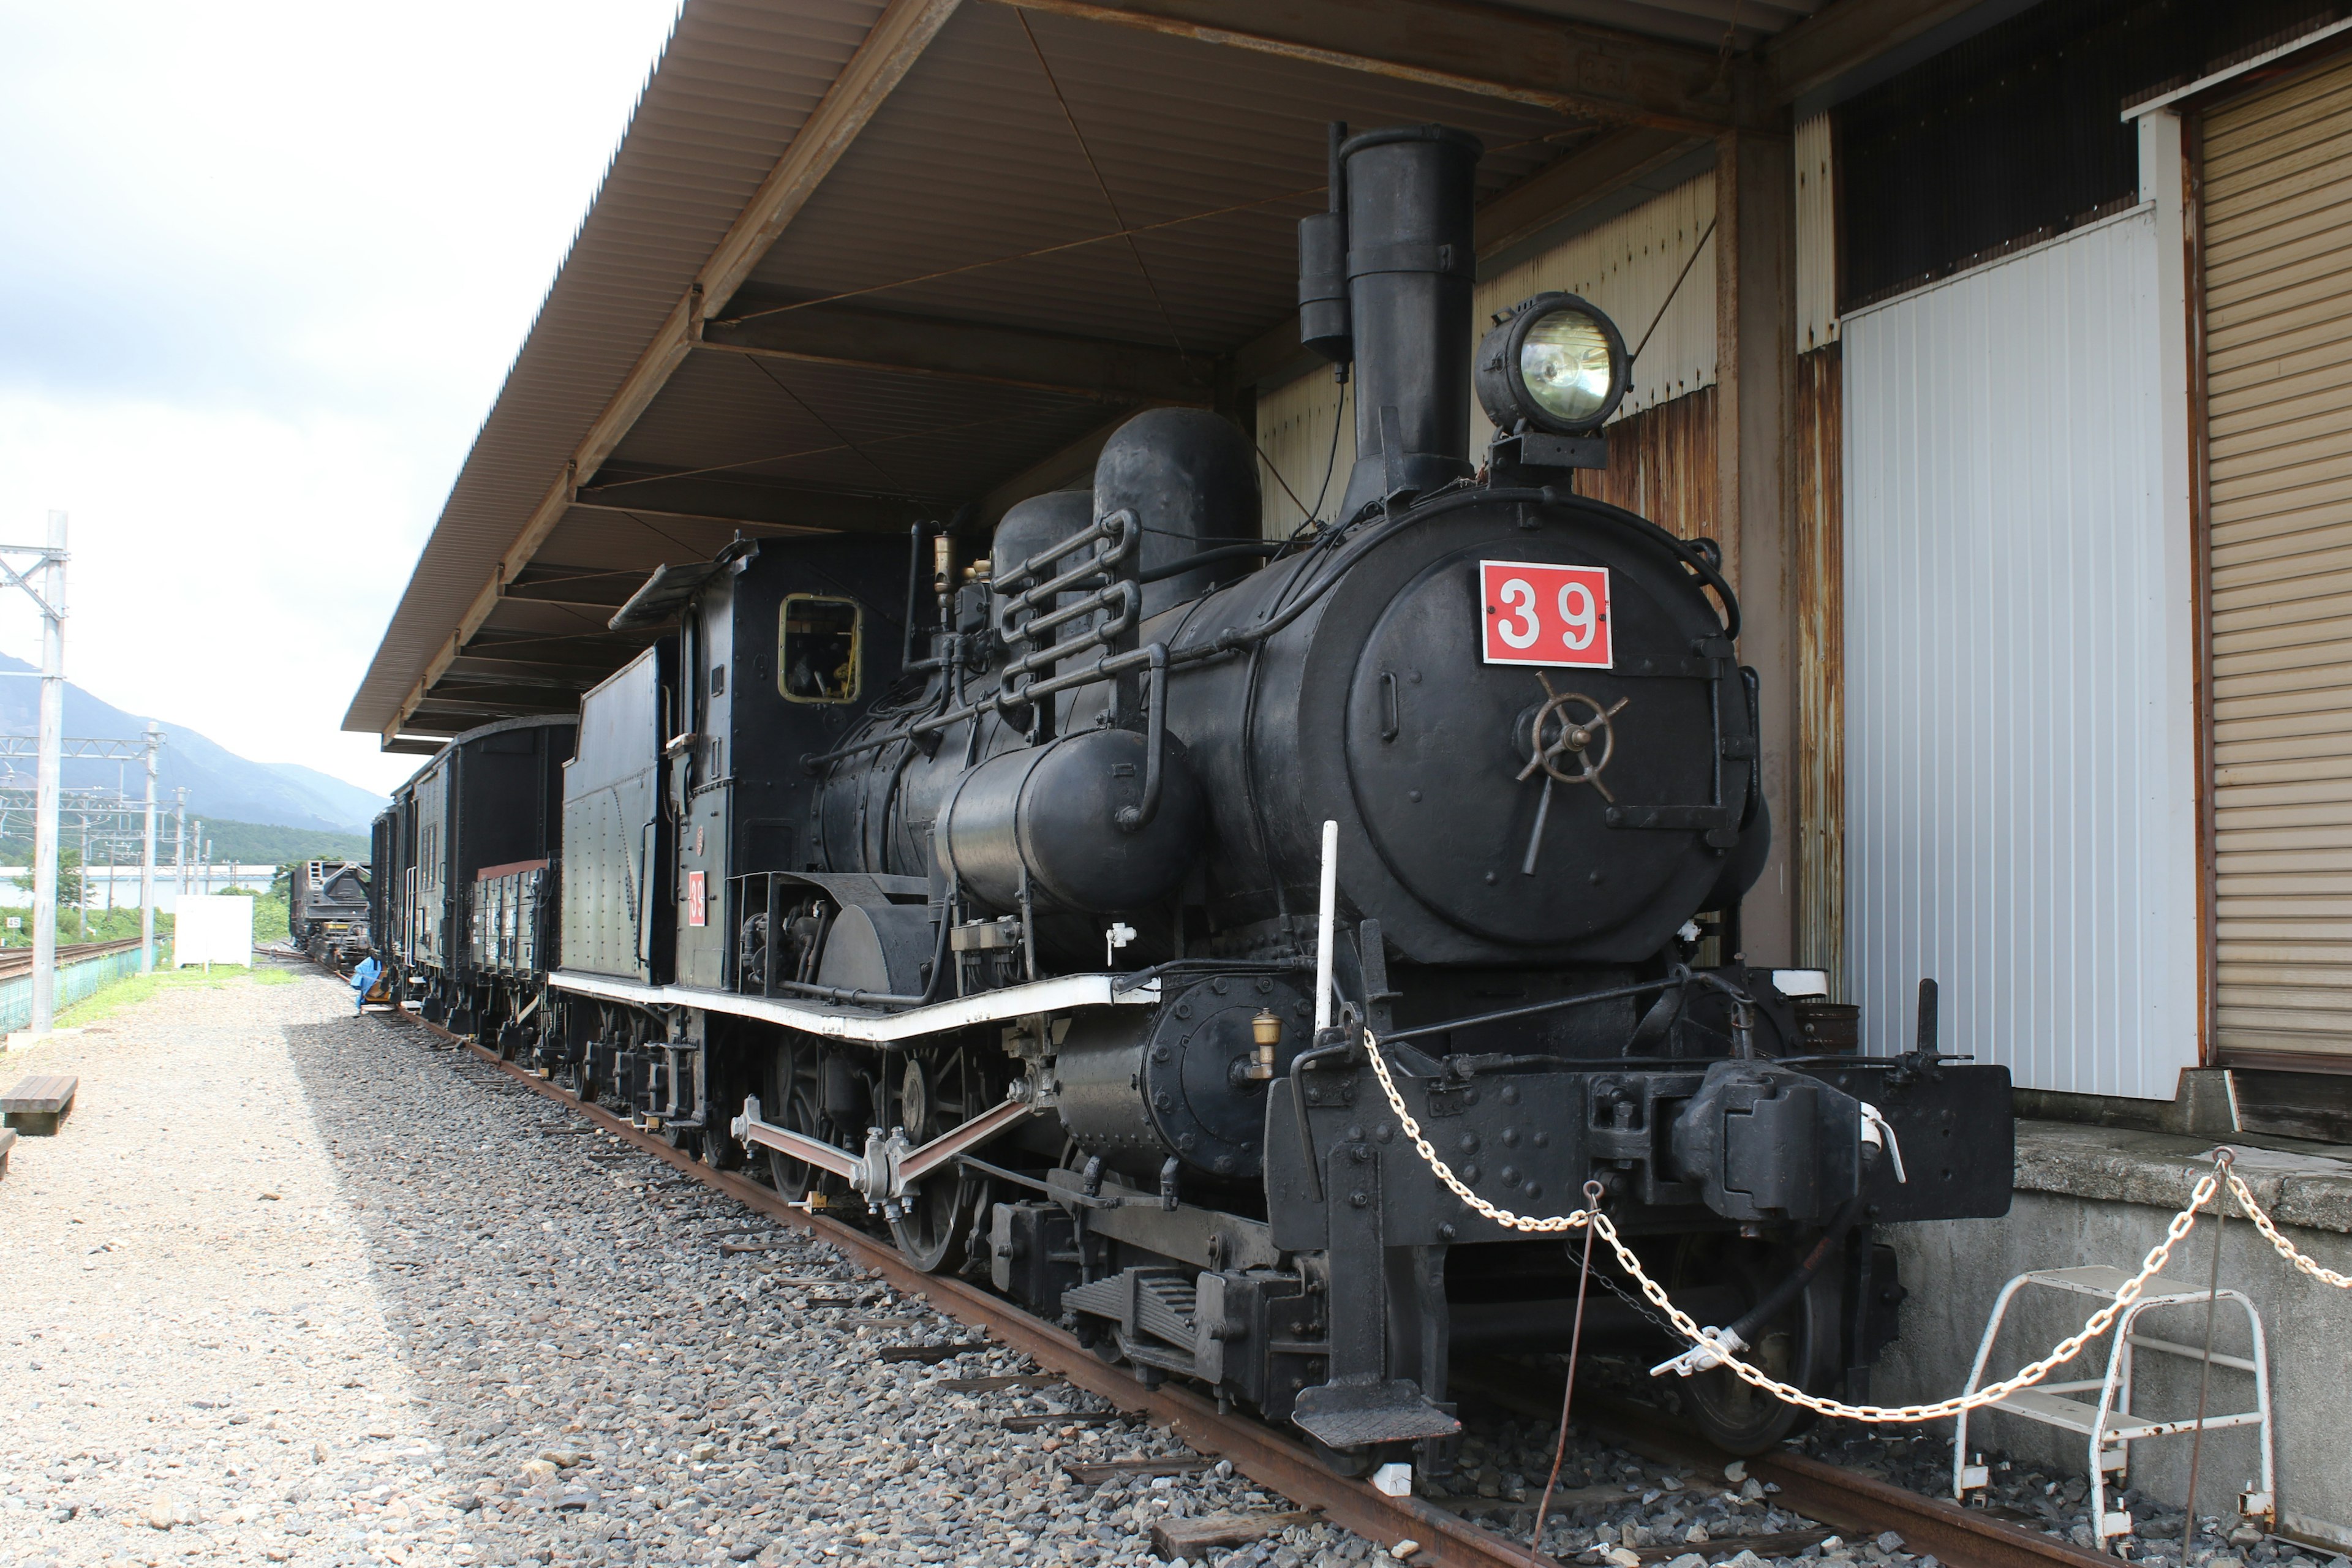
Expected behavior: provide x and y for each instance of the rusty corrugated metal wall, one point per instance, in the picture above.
(1820, 538)
(1817, 325)
(1661, 465)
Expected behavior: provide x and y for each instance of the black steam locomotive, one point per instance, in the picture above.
(1055, 934)
(327, 910)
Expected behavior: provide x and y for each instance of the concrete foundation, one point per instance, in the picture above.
(2094, 1194)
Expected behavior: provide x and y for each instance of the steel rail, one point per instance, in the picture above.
(1841, 1499)
(18, 961)
(1266, 1456)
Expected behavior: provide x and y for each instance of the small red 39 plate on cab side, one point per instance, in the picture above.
(1536, 614)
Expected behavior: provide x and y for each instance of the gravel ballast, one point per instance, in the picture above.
(294, 1285)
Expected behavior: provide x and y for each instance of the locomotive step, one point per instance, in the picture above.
(38, 1103)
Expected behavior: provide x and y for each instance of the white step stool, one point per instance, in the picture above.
(2110, 1425)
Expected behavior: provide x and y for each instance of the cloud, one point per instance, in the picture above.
(267, 265)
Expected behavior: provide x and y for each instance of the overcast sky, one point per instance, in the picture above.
(262, 270)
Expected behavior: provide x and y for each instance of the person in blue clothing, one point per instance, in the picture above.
(364, 979)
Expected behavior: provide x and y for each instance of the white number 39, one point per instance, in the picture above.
(1519, 597)
(1576, 607)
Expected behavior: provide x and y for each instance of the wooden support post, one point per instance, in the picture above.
(1756, 310)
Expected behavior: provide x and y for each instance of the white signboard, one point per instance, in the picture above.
(211, 929)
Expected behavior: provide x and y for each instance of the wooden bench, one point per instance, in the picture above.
(7, 1144)
(38, 1103)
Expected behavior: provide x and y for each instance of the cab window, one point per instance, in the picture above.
(817, 656)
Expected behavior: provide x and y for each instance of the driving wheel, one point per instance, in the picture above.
(1800, 1346)
(930, 1097)
(796, 1101)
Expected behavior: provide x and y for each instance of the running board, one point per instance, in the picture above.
(873, 1025)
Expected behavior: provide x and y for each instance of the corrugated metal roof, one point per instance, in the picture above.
(1747, 23)
(734, 82)
(974, 160)
(968, 197)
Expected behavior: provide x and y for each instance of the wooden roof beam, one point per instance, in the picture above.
(1107, 372)
(482, 659)
(534, 698)
(897, 41)
(578, 587)
(731, 499)
(1849, 34)
(1600, 168)
(1519, 56)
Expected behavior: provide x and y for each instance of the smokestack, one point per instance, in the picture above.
(1411, 261)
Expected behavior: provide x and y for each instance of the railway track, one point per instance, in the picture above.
(18, 961)
(1858, 1505)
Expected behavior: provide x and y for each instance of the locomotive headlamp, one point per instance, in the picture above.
(1553, 364)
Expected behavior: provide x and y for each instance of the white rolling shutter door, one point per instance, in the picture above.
(2278, 285)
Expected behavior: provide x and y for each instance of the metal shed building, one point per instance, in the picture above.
(2002, 344)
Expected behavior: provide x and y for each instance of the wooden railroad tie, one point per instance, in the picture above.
(927, 1354)
(38, 1103)
(1060, 1418)
(1094, 1474)
(994, 1385)
(1173, 1538)
(1781, 1543)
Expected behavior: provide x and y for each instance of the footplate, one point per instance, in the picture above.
(1353, 1413)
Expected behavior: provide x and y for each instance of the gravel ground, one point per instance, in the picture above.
(1712, 1513)
(296, 1287)
(293, 1287)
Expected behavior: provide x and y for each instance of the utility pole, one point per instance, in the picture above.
(44, 582)
(147, 860)
(180, 840)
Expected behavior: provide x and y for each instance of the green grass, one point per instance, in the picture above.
(133, 989)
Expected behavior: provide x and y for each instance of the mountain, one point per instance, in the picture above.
(220, 784)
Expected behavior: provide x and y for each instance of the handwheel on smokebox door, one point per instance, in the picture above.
(931, 1097)
(795, 1101)
(1800, 1346)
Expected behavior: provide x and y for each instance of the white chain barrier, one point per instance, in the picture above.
(1709, 1349)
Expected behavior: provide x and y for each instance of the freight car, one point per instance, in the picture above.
(464, 884)
(328, 910)
(1058, 919)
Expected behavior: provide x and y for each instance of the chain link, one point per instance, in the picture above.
(2285, 1248)
(1688, 1328)
(1635, 1302)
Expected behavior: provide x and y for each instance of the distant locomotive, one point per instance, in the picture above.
(1024, 948)
(327, 911)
